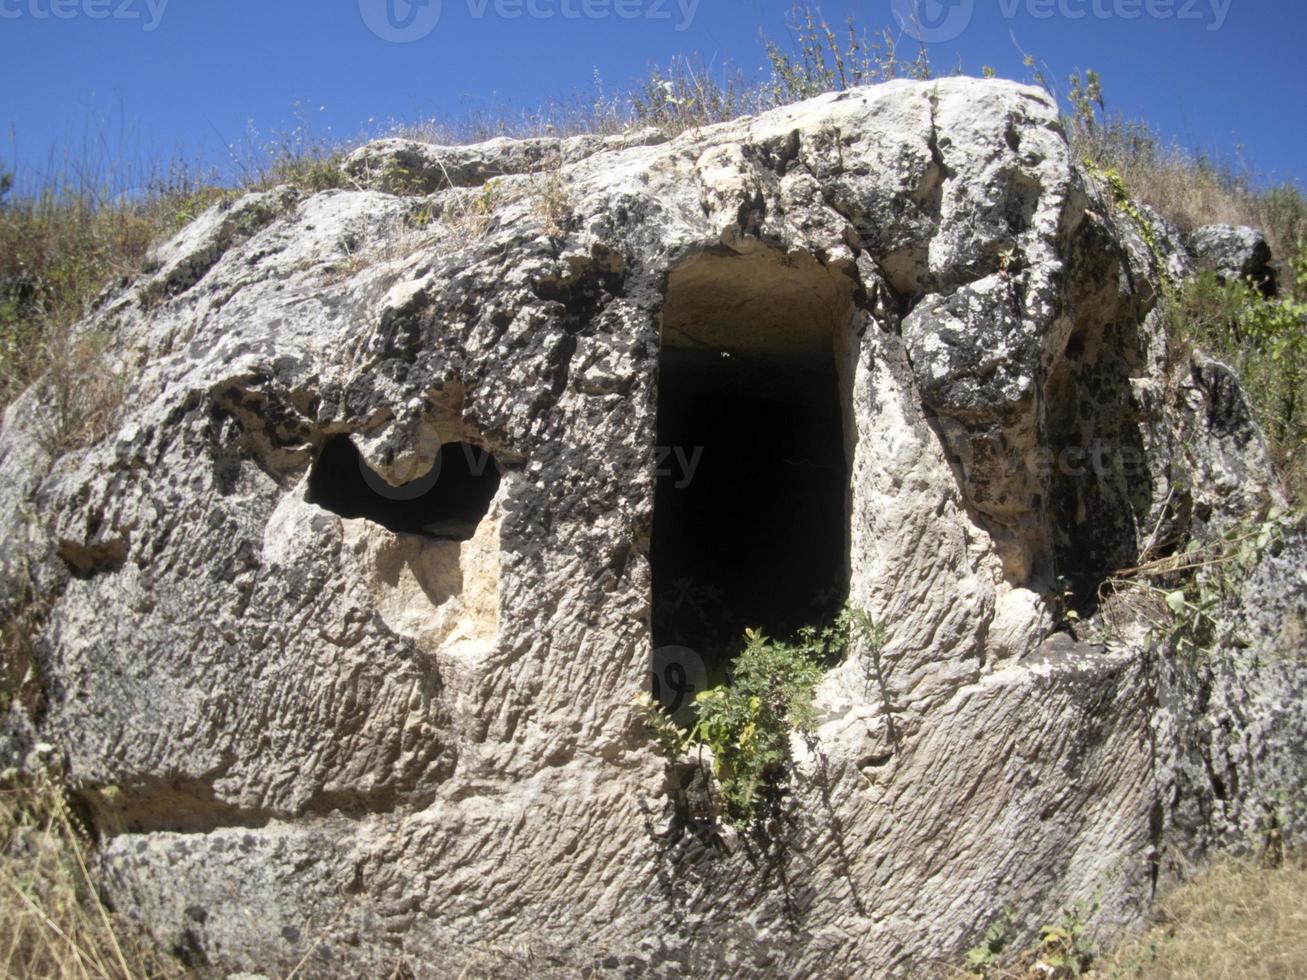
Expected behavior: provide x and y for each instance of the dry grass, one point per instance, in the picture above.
(92, 224)
(1236, 921)
(94, 221)
(53, 924)
(1188, 188)
(1239, 919)
(24, 614)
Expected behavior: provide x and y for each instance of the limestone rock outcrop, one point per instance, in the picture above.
(1234, 252)
(300, 732)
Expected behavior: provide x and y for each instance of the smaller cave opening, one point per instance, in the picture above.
(447, 503)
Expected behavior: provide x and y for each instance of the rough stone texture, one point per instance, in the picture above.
(1232, 721)
(1234, 252)
(295, 729)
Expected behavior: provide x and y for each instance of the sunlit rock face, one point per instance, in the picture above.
(348, 612)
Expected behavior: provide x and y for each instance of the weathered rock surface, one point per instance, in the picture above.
(1234, 252)
(299, 732)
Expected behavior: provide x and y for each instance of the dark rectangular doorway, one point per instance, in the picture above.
(750, 526)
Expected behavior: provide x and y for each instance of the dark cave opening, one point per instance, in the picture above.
(749, 505)
(447, 503)
(750, 526)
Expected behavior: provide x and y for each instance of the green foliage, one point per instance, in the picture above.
(1121, 200)
(671, 738)
(1064, 949)
(982, 958)
(311, 174)
(1188, 188)
(747, 723)
(1206, 583)
(1189, 598)
(1265, 341)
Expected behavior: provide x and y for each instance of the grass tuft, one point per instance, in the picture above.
(53, 924)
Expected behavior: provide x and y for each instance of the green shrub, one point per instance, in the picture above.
(1064, 951)
(1187, 598)
(747, 723)
(1265, 341)
(1188, 188)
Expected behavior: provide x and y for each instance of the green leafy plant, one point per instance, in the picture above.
(747, 723)
(1062, 952)
(1064, 949)
(672, 739)
(1122, 201)
(1265, 341)
(1185, 597)
(986, 955)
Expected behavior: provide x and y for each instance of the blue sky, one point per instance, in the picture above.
(151, 78)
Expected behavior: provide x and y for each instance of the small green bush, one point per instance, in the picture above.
(1064, 951)
(747, 723)
(1265, 341)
